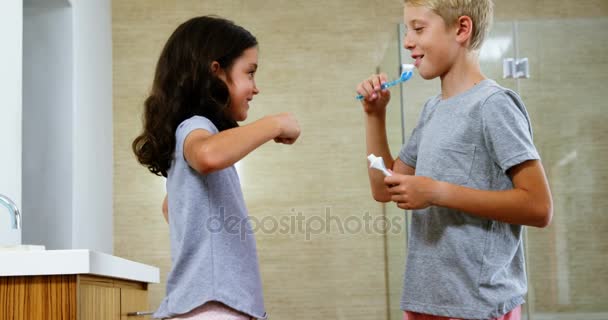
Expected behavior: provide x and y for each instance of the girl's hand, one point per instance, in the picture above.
(289, 128)
(412, 192)
(374, 99)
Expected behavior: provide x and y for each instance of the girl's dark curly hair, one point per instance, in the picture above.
(185, 86)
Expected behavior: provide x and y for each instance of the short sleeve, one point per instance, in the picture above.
(189, 125)
(409, 151)
(507, 130)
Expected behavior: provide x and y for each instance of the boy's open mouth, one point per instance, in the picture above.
(417, 59)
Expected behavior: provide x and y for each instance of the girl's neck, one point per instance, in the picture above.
(464, 74)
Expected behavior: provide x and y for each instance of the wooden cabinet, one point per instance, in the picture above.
(133, 300)
(71, 297)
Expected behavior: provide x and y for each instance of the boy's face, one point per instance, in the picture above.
(432, 44)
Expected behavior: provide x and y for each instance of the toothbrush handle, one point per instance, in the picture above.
(390, 84)
(385, 85)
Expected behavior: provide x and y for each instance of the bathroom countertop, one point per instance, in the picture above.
(57, 262)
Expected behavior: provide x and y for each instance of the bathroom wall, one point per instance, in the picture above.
(312, 55)
(67, 124)
(92, 156)
(11, 30)
(47, 125)
(554, 9)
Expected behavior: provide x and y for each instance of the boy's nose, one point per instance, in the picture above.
(408, 44)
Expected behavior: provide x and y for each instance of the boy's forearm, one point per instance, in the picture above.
(377, 143)
(514, 206)
(376, 140)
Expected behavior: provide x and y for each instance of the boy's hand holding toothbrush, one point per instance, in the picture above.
(373, 92)
(375, 98)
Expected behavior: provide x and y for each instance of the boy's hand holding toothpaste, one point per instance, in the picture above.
(412, 192)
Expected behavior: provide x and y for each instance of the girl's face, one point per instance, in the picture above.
(432, 44)
(241, 83)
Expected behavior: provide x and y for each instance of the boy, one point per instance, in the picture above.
(470, 171)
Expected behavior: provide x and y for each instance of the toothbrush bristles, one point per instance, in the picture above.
(407, 67)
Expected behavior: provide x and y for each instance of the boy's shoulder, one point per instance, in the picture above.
(492, 94)
(487, 89)
(477, 94)
(487, 92)
(490, 87)
(485, 98)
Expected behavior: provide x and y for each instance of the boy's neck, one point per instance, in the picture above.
(464, 75)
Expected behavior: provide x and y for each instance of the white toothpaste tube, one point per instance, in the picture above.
(378, 163)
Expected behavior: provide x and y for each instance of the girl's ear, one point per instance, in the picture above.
(464, 30)
(217, 70)
(215, 67)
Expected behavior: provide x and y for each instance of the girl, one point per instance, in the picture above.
(203, 83)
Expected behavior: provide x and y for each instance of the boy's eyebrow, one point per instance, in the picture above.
(414, 21)
(254, 65)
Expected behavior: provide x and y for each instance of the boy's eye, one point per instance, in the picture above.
(417, 30)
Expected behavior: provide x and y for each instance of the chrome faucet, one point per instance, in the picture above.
(12, 210)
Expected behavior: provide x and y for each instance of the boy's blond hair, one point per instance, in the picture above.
(480, 11)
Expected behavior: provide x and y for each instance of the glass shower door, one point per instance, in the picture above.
(395, 233)
(566, 97)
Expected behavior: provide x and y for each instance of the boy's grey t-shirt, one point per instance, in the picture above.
(460, 265)
(213, 249)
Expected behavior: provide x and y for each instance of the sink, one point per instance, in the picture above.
(10, 237)
(22, 247)
(73, 261)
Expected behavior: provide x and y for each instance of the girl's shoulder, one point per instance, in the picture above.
(196, 122)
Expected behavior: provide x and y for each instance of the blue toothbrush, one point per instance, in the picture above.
(407, 73)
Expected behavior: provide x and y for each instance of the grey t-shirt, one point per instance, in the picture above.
(213, 249)
(460, 265)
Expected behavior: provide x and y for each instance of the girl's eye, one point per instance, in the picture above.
(418, 29)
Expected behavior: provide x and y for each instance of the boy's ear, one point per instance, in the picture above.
(464, 30)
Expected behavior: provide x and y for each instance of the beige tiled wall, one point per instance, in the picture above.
(312, 54)
(542, 9)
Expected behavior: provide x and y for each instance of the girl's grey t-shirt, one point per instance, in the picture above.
(213, 250)
(460, 265)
